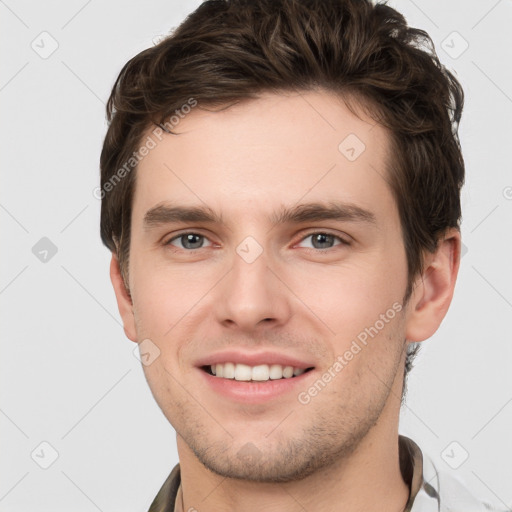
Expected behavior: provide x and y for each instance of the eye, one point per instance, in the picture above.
(322, 240)
(189, 241)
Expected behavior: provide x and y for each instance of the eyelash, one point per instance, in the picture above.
(336, 237)
(341, 240)
(177, 237)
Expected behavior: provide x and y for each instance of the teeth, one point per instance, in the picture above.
(276, 371)
(229, 371)
(242, 372)
(288, 372)
(261, 372)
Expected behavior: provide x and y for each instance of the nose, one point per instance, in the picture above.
(252, 297)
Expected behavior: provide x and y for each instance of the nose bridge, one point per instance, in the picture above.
(251, 293)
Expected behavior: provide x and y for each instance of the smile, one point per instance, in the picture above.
(261, 372)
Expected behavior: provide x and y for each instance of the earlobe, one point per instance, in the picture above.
(124, 301)
(433, 290)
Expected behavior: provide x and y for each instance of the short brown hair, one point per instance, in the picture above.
(232, 50)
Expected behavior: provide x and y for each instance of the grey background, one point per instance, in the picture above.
(68, 374)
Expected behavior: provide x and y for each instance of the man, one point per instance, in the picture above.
(280, 185)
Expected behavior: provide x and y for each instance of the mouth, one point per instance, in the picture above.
(255, 377)
(258, 373)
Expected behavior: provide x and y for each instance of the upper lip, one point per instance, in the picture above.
(253, 359)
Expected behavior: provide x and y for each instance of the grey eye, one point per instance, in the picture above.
(189, 241)
(322, 240)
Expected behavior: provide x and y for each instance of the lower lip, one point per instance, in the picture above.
(254, 392)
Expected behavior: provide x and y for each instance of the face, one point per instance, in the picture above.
(265, 236)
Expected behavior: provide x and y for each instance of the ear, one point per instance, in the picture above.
(433, 289)
(124, 301)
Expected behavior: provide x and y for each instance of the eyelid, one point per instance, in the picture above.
(343, 240)
(177, 236)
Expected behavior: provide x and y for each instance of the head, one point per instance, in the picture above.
(262, 114)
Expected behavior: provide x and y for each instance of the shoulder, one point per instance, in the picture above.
(166, 497)
(440, 491)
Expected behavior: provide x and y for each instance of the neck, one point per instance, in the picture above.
(369, 479)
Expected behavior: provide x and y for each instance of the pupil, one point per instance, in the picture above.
(192, 241)
(322, 240)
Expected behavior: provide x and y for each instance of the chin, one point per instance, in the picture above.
(284, 461)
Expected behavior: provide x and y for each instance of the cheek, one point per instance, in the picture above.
(165, 297)
(349, 298)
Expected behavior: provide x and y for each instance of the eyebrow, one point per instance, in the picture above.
(320, 211)
(348, 212)
(167, 214)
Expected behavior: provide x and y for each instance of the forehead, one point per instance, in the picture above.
(278, 149)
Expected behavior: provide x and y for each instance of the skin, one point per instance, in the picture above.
(245, 163)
